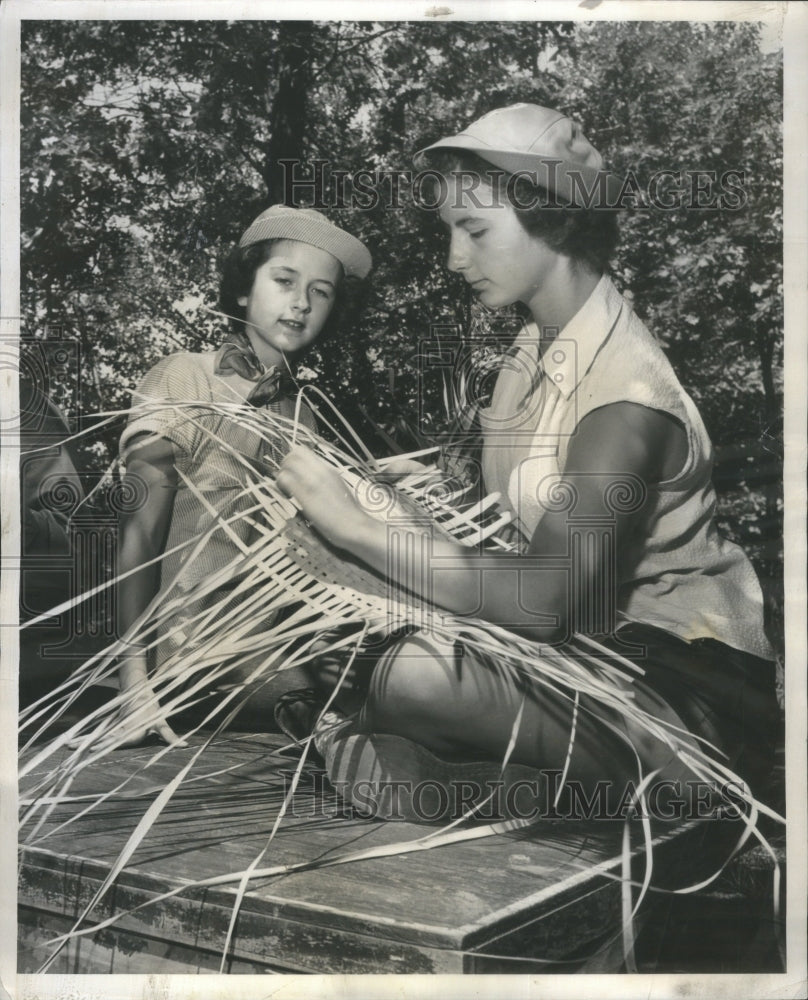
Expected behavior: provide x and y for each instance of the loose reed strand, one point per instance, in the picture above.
(285, 598)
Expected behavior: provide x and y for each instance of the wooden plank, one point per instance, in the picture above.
(115, 952)
(270, 933)
(542, 894)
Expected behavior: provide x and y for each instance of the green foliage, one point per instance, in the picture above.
(701, 97)
(148, 146)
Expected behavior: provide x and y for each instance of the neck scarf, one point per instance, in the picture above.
(236, 355)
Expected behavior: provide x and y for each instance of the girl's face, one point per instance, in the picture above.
(501, 261)
(291, 298)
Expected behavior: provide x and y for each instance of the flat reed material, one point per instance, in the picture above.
(285, 598)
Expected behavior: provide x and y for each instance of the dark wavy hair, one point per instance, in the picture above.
(587, 235)
(238, 275)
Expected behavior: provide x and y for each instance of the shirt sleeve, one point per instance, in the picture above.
(170, 401)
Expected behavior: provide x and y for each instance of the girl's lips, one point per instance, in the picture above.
(294, 325)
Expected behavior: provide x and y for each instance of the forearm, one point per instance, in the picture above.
(139, 565)
(133, 669)
(499, 588)
(144, 532)
(503, 589)
(135, 593)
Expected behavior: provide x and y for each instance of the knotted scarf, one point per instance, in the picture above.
(236, 354)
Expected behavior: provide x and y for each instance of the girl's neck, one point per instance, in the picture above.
(561, 296)
(269, 356)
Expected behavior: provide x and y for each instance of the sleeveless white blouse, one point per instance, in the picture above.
(682, 575)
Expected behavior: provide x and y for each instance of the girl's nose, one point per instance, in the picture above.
(456, 259)
(301, 303)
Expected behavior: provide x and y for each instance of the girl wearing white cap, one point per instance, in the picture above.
(281, 287)
(606, 465)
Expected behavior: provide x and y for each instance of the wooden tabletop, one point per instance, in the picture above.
(545, 894)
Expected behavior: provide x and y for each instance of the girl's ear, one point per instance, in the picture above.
(242, 300)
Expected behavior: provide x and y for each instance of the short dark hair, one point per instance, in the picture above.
(238, 275)
(587, 235)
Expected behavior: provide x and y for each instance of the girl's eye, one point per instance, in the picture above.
(286, 282)
(478, 233)
(323, 293)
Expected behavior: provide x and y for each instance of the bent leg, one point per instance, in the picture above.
(433, 717)
(469, 707)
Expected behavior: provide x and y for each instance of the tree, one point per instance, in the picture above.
(703, 100)
(147, 147)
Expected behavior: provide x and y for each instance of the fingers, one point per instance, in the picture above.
(408, 470)
(401, 467)
(167, 734)
(285, 482)
(307, 477)
(296, 469)
(107, 741)
(299, 458)
(134, 737)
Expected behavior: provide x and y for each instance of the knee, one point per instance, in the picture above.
(410, 688)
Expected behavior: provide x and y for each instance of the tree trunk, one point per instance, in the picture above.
(288, 113)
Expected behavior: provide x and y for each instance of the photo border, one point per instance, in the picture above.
(791, 21)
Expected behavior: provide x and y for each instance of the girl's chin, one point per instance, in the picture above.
(490, 298)
(286, 343)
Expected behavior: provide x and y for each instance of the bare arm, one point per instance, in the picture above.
(618, 443)
(142, 540)
(144, 531)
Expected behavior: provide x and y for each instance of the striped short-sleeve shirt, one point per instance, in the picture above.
(179, 400)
